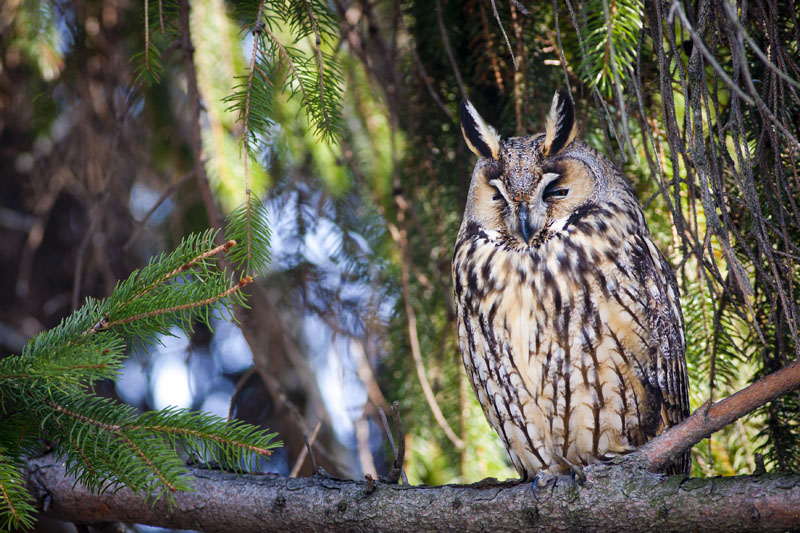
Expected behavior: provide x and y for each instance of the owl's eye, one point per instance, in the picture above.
(555, 194)
(497, 186)
(554, 191)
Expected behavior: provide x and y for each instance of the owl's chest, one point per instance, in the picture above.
(552, 343)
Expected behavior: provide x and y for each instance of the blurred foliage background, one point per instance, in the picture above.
(365, 176)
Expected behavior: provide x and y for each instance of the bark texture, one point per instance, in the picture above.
(613, 498)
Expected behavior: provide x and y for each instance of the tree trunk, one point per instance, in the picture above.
(613, 498)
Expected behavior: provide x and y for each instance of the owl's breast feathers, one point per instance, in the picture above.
(575, 348)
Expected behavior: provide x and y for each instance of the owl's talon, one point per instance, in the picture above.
(541, 480)
(534, 483)
(577, 472)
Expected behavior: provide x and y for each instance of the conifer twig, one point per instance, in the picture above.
(118, 431)
(182, 307)
(318, 55)
(224, 248)
(259, 26)
(202, 435)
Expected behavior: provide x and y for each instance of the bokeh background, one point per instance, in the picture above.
(356, 312)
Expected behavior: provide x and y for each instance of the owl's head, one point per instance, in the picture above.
(526, 188)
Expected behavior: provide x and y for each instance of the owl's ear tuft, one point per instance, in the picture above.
(560, 128)
(481, 138)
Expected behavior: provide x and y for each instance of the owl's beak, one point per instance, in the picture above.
(527, 225)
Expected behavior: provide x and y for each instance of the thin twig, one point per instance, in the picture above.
(399, 459)
(161, 199)
(246, 136)
(424, 74)
(314, 467)
(413, 336)
(95, 210)
(298, 464)
(446, 42)
(698, 42)
(388, 431)
(498, 77)
(741, 31)
(502, 29)
(147, 33)
(238, 388)
(561, 57)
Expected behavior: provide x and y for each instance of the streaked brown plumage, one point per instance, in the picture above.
(568, 315)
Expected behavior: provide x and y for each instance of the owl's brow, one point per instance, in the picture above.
(493, 171)
(501, 188)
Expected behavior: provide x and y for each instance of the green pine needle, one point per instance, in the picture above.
(16, 504)
(45, 394)
(610, 42)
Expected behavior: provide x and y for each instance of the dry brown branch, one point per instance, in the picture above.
(302, 457)
(708, 419)
(503, 30)
(399, 457)
(395, 453)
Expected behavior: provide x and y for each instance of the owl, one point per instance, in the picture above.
(569, 322)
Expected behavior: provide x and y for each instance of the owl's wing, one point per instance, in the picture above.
(665, 320)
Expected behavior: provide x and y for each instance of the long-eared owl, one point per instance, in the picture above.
(568, 315)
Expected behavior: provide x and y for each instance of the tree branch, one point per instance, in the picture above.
(706, 420)
(611, 499)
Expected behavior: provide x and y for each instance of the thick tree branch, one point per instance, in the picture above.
(611, 499)
(706, 420)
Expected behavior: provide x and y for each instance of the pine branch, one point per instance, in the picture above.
(314, 79)
(44, 392)
(610, 37)
(246, 136)
(16, 503)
